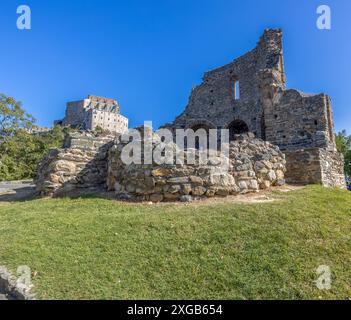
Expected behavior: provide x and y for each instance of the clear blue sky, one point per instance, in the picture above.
(149, 54)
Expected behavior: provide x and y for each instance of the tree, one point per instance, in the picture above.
(343, 144)
(21, 153)
(20, 150)
(13, 117)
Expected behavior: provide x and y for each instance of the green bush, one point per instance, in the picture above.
(21, 153)
(343, 144)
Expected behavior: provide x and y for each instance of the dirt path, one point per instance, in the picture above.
(264, 196)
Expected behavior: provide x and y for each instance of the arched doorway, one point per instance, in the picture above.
(237, 127)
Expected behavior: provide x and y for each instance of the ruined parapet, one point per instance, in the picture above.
(294, 120)
(252, 165)
(78, 167)
(87, 140)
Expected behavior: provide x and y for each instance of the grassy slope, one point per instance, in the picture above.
(95, 248)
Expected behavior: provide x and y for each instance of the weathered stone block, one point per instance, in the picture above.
(199, 191)
(160, 172)
(156, 197)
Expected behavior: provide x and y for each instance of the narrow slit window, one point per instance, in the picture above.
(237, 90)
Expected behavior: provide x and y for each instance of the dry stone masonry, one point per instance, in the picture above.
(91, 163)
(253, 164)
(81, 165)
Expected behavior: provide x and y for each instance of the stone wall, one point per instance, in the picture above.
(75, 114)
(294, 120)
(80, 166)
(90, 163)
(287, 118)
(213, 104)
(252, 165)
(315, 165)
(302, 126)
(332, 164)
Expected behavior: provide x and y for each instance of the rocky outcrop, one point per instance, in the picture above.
(13, 289)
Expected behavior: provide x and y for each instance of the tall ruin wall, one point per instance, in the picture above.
(250, 95)
(232, 92)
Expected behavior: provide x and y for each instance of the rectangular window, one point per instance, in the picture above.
(237, 90)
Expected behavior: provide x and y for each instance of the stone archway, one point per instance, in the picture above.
(237, 127)
(201, 123)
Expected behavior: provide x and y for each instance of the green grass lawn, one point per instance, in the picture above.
(103, 249)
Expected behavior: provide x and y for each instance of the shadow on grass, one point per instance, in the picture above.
(20, 194)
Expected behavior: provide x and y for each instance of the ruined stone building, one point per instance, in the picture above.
(249, 94)
(93, 112)
(276, 134)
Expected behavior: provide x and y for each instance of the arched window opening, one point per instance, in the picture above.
(237, 127)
